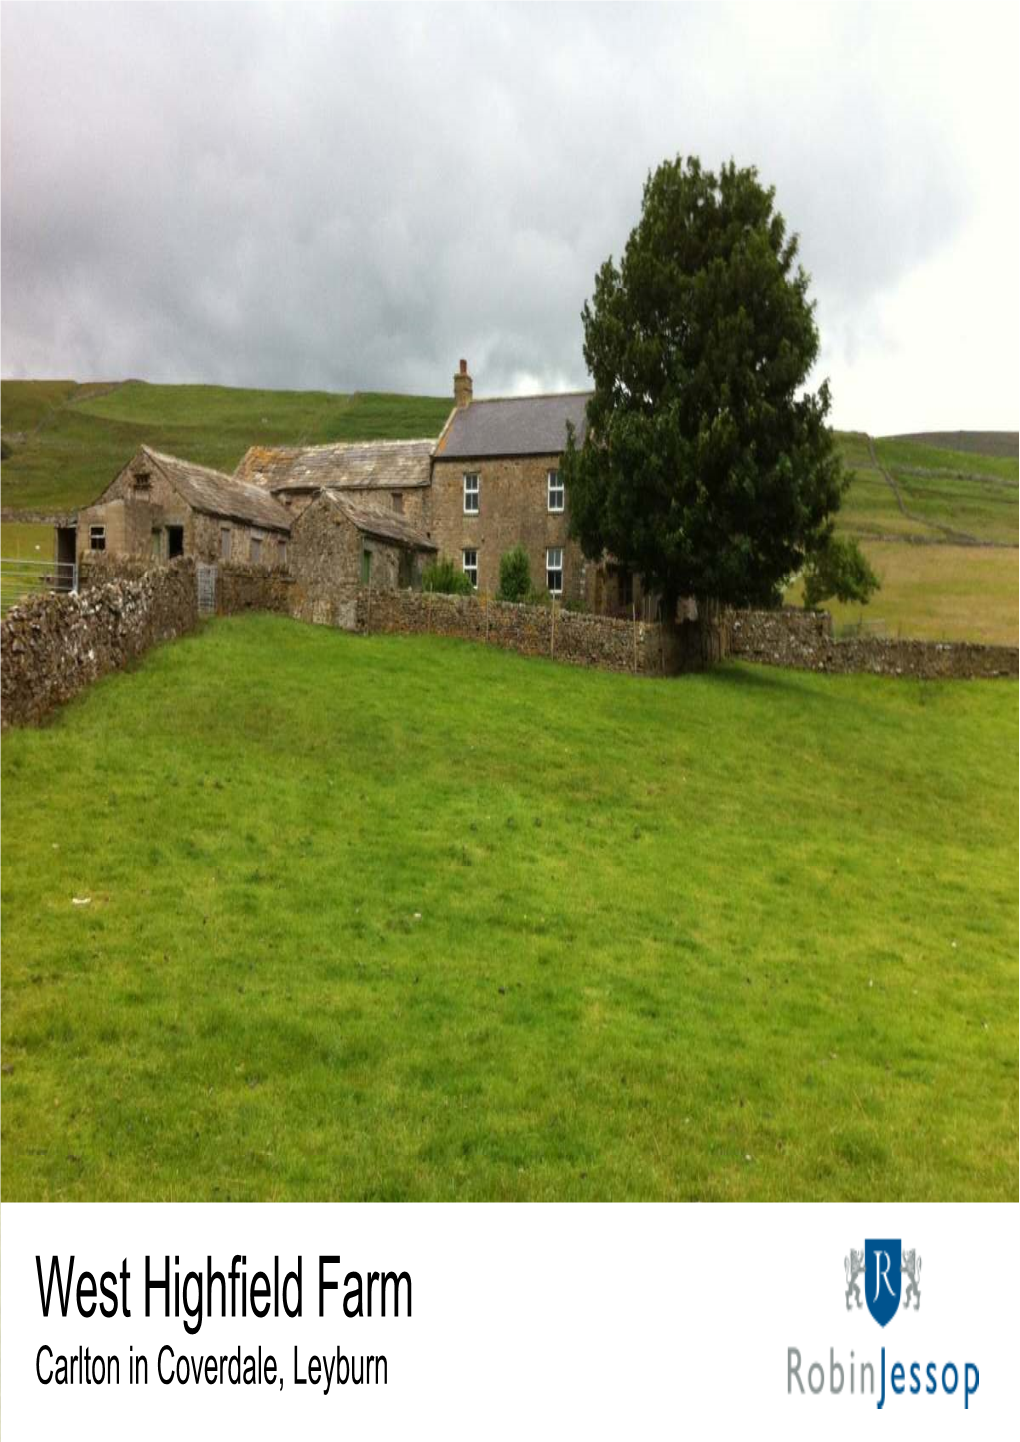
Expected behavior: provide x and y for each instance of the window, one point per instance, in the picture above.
(554, 570)
(142, 480)
(281, 552)
(256, 550)
(471, 489)
(555, 491)
(225, 540)
(366, 567)
(471, 567)
(398, 501)
(97, 538)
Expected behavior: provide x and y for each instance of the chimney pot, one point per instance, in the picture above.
(463, 367)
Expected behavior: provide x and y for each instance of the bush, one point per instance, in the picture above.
(838, 568)
(6, 450)
(514, 575)
(446, 577)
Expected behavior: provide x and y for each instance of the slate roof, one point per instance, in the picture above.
(384, 525)
(515, 426)
(386, 465)
(217, 494)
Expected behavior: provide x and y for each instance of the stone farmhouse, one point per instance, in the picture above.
(349, 514)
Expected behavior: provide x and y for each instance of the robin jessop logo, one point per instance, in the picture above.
(883, 1265)
(885, 1279)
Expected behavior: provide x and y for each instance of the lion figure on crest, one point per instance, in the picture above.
(854, 1268)
(911, 1267)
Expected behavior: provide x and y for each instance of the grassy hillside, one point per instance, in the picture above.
(405, 918)
(940, 528)
(69, 441)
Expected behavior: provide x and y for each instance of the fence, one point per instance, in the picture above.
(19, 579)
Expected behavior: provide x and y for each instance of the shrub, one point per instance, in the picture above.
(838, 568)
(514, 575)
(445, 576)
(6, 450)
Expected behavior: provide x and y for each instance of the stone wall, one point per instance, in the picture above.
(51, 647)
(512, 510)
(253, 588)
(804, 641)
(575, 637)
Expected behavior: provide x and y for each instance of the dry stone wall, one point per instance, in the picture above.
(804, 641)
(252, 588)
(581, 639)
(52, 646)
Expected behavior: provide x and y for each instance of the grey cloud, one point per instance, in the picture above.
(356, 197)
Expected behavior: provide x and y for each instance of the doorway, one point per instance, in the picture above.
(67, 556)
(174, 541)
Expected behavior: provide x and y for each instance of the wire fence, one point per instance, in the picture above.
(19, 579)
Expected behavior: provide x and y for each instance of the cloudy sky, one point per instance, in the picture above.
(354, 197)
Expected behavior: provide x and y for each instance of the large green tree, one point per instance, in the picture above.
(705, 466)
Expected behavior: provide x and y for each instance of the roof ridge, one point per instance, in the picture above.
(538, 396)
(194, 465)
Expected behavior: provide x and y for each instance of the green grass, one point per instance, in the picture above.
(938, 592)
(72, 440)
(405, 918)
(898, 453)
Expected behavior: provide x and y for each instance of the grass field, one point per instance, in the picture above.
(931, 588)
(405, 918)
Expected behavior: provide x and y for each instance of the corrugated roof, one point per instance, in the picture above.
(385, 525)
(359, 465)
(515, 426)
(217, 494)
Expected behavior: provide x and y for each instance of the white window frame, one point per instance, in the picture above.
(472, 491)
(550, 568)
(471, 571)
(555, 488)
(97, 533)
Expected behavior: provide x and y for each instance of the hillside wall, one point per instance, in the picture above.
(53, 646)
(580, 639)
(803, 640)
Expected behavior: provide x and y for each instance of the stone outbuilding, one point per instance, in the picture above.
(393, 475)
(160, 507)
(340, 543)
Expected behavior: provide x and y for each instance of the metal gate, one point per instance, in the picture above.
(206, 578)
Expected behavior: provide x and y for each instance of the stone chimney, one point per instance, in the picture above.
(462, 387)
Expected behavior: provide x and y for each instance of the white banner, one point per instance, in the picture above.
(503, 1321)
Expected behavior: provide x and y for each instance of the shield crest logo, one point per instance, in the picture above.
(882, 1278)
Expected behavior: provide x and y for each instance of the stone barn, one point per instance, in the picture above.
(392, 475)
(160, 507)
(339, 544)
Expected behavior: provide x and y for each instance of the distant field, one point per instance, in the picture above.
(932, 591)
(935, 593)
(70, 441)
(982, 443)
(747, 935)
